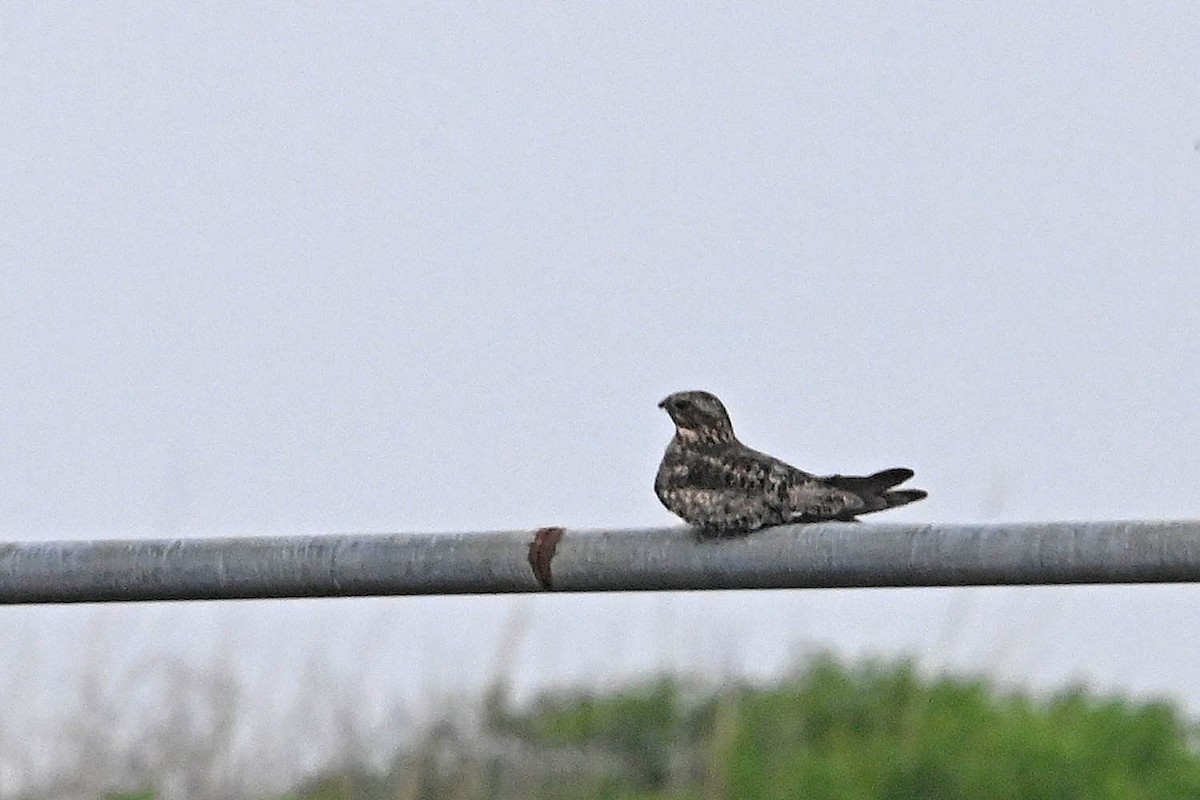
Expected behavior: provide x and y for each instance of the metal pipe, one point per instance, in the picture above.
(797, 556)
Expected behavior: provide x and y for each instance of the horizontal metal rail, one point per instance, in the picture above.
(796, 556)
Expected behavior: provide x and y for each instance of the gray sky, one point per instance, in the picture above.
(431, 266)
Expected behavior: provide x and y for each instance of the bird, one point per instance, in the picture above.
(717, 484)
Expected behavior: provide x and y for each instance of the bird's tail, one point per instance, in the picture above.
(876, 490)
(877, 483)
(903, 497)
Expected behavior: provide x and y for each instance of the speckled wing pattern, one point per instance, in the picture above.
(730, 487)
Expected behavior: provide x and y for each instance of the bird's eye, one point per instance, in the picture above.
(684, 405)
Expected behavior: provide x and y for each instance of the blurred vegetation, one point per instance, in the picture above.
(830, 731)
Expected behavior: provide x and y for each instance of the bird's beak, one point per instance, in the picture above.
(662, 403)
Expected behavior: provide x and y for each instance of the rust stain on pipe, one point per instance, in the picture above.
(541, 553)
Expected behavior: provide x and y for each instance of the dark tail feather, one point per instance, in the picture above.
(874, 484)
(903, 497)
(873, 489)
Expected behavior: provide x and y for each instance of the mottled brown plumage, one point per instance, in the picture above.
(716, 483)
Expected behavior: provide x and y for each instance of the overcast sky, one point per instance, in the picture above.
(395, 267)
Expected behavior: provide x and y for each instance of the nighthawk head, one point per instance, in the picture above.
(698, 417)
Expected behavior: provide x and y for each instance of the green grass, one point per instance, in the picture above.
(830, 732)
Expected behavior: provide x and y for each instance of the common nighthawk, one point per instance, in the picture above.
(716, 483)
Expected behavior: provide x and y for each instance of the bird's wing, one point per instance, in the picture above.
(795, 493)
(813, 499)
(739, 469)
(798, 495)
(744, 483)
